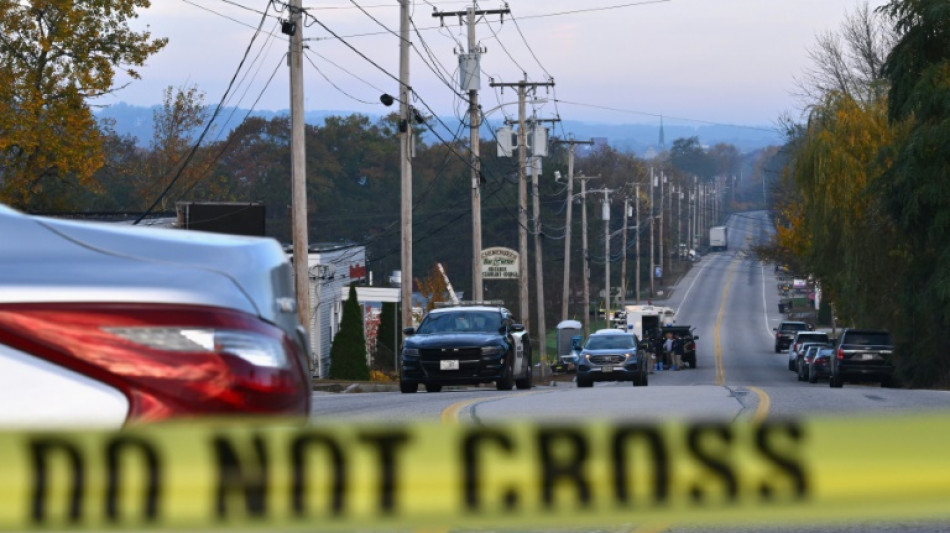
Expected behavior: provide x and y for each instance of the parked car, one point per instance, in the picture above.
(786, 331)
(689, 342)
(466, 345)
(802, 337)
(819, 368)
(104, 324)
(612, 355)
(808, 354)
(863, 355)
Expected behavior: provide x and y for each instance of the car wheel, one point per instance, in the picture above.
(888, 382)
(408, 387)
(507, 381)
(812, 378)
(584, 382)
(800, 370)
(835, 382)
(433, 387)
(791, 365)
(528, 381)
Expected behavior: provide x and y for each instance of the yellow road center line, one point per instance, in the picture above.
(720, 370)
(450, 415)
(762, 409)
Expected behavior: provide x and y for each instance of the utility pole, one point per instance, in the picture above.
(606, 216)
(662, 267)
(470, 74)
(299, 170)
(623, 247)
(522, 87)
(405, 166)
(652, 248)
(669, 210)
(637, 207)
(584, 254)
(537, 153)
(565, 290)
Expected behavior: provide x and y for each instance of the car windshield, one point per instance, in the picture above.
(609, 342)
(461, 321)
(868, 338)
(793, 327)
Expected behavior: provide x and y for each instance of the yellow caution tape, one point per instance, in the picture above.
(225, 475)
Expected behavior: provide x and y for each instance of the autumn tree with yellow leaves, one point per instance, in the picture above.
(54, 56)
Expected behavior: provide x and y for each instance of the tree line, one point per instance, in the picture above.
(864, 200)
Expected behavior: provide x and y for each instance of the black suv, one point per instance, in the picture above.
(689, 342)
(466, 345)
(862, 355)
(786, 331)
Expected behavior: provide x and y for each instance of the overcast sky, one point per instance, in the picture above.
(722, 61)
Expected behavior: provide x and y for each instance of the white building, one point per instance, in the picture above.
(332, 269)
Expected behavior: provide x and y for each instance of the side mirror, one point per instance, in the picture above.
(517, 327)
(695, 337)
(775, 329)
(409, 331)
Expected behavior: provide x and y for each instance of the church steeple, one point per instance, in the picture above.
(662, 135)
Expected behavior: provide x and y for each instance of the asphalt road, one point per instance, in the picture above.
(731, 300)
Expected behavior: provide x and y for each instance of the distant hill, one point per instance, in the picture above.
(641, 139)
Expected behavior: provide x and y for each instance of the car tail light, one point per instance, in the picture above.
(168, 360)
(840, 354)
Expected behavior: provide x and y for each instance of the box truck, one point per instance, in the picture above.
(718, 238)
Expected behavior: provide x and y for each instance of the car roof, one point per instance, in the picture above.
(455, 309)
(610, 331)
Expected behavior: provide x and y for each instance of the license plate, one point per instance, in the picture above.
(449, 364)
(868, 356)
(607, 369)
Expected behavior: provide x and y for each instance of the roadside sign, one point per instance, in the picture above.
(500, 263)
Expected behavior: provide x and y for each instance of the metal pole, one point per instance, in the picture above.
(299, 173)
(662, 255)
(405, 167)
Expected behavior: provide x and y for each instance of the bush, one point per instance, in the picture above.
(348, 352)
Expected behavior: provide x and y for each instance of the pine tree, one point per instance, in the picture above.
(348, 353)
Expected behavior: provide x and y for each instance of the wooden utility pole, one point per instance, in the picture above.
(584, 254)
(637, 207)
(623, 247)
(522, 86)
(470, 74)
(652, 248)
(298, 173)
(405, 165)
(605, 214)
(565, 290)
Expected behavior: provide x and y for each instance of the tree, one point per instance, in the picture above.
(348, 352)
(915, 185)
(849, 61)
(688, 156)
(176, 125)
(53, 57)
(433, 288)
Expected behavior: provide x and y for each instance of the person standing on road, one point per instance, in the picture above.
(668, 352)
(678, 349)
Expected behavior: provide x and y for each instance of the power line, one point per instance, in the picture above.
(214, 115)
(658, 115)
